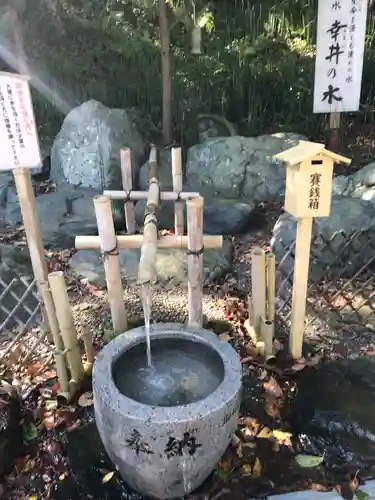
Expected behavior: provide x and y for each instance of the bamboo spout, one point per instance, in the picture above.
(147, 268)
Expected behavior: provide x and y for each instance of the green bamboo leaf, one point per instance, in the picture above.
(360, 495)
(308, 460)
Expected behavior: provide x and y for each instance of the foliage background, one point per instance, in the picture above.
(257, 66)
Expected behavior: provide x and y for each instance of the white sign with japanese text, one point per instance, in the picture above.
(339, 55)
(18, 132)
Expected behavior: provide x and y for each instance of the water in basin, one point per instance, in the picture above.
(182, 372)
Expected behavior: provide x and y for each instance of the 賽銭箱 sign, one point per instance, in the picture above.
(18, 132)
(339, 55)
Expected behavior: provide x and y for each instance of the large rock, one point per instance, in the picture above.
(86, 151)
(361, 184)
(330, 235)
(220, 216)
(63, 214)
(240, 167)
(171, 265)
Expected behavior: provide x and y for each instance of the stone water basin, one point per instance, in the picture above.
(166, 429)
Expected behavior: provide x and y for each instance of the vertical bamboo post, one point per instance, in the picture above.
(66, 323)
(127, 185)
(147, 268)
(271, 286)
(179, 224)
(26, 199)
(266, 333)
(110, 254)
(258, 288)
(300, 281)
(89, 347)
(195, 260)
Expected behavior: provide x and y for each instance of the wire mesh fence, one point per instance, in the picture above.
(20, 312)
(341, 287)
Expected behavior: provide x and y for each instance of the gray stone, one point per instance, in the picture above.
(361, 184)
(63, 214)
(239, 167)
(220, 216)
(171, 265)
(209, 422)
(347, 215)
(86, 151)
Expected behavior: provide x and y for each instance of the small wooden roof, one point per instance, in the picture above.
(305, 150)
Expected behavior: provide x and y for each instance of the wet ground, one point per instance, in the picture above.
(328, 409)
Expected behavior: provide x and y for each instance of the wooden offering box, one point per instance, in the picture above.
(309, 174)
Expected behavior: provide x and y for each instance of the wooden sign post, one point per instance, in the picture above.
(308, 193)
(339, 59)
(20, 152)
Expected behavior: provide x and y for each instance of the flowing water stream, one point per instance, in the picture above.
(146, 296)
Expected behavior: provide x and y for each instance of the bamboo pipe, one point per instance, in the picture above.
(108, 246)
(147, 268)
(66, 323)
(195, 261)
(136, 240)
(266, 335)
(127, 184)
(142, 195)
(258, 288)
(179, 224)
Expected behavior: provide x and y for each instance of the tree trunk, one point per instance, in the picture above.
(166, 71)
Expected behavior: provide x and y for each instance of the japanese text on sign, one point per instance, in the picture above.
(18, 134)
(314, 190)
(339, 55)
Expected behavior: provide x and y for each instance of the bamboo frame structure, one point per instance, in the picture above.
(143, 195)
(194, 241)
(147, 268)
(66, 324)
(108, 244)
(136, 240)
(195, 260)
(179, 224)
(127, 184)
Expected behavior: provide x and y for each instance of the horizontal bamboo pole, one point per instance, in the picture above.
(143, 195)
(136, 240)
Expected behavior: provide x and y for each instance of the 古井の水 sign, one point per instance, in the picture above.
(18, 132)
(339, 55)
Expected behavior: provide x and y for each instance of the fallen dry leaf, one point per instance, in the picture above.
(239, 451)
(283, 437)
(298, 367)
(86, 399)
(273, 387)
(257, 468)
(265, 433)
(246, 469)
(277, 346)
(224, 337)
(107, 477)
